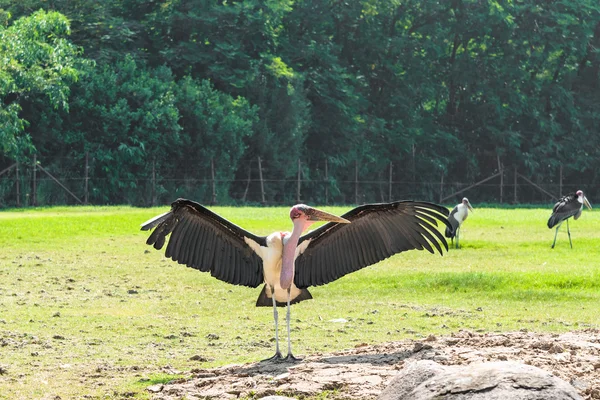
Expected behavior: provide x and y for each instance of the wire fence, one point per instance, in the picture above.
(33, 184)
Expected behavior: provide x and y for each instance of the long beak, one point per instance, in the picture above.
(587, 203)
(470, 208)
(319, 215)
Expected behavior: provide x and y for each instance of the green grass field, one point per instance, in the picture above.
(88, 310)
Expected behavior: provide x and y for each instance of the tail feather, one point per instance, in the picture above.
(449, 233)
(553, 221)
(266, 301)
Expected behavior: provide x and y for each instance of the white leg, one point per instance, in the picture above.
(457, 236)
(290, 356)
(556, 233)
(277, 355)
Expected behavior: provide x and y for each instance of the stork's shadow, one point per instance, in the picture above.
(275, 368)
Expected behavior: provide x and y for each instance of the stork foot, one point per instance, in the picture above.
(276, 357)
(290, 358)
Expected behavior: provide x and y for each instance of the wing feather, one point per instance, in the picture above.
(175, 238)
(368, 244)
(376, 232)
(181, 235)
(203, 240)
(185, 246)
(159, 241)
(565, 208)
(230, 253)
(197, 256)
(355, 243)
(216, 272)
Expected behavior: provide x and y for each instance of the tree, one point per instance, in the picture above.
(36, 60)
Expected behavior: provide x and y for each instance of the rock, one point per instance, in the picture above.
(420, 346)
(412, 376)
(555, 349)
(427, 380)
(155, 388)
(277, 398)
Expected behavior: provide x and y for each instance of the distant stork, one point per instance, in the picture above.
(458, 215)
(287, 263)
(568, 206)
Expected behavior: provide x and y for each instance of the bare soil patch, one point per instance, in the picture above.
(363, 372)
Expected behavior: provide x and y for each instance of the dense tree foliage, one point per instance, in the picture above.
(36, 60)
(165, 90)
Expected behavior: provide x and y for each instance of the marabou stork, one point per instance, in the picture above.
(288, 263)
(568, 206)
(458, 215)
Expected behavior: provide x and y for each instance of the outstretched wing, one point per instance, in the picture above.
(566, 207)
(205, 241)
(376, 232)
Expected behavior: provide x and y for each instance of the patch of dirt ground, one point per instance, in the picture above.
(363, 372)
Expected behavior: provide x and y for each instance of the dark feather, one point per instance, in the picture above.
(567, 207)
(451, 230)
(376, 232)
(266, 301)
(205, 241)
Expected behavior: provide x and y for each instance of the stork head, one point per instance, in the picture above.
(302, 217)
(465, 201)
(583, 200)
(301, 213)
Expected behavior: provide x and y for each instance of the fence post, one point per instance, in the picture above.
(414, 165)
(262, 183)
(442, 187)
(560, 189)
(153, 194)
(33, 195)
(248, 181)
(355, 181)
(515, 183)
(390, 184)
(326, 183)
(18, 186)
(87, 177)
(214, 189)
(298, 186)
(501, 170)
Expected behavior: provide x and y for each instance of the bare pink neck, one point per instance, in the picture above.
(289, 254)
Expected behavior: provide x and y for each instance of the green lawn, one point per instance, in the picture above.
(87, 310)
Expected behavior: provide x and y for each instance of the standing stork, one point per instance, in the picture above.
(458, 215)
(288, 263)
(568, 206)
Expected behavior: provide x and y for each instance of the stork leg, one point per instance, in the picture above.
(290, 356)
(569, 232)
(277, 355)
(457, 237)
(556, 233)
